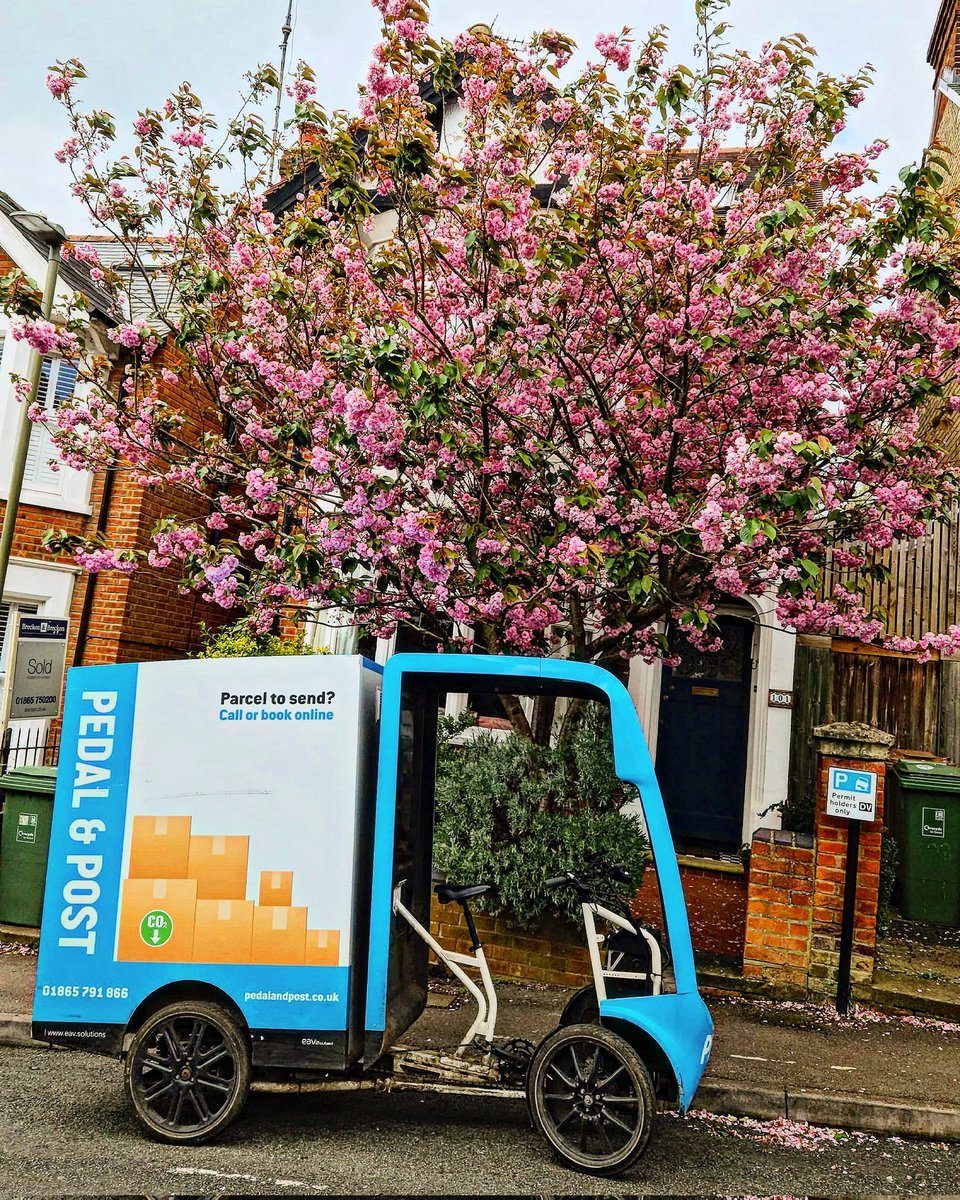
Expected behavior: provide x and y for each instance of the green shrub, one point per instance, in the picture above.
(240, 641)
(513, 814)
(799, 813)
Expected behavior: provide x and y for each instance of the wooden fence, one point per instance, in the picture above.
(846, 681)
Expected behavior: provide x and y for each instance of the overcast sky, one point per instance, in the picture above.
(137, 52)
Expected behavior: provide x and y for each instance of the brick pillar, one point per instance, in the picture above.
(776, 944)
(859, 747)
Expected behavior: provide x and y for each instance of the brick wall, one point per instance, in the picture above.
(796, 885)
(143, 616)
(778, 923)
(555, 953)
(716, 897)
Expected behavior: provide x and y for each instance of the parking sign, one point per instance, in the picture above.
(852, 794)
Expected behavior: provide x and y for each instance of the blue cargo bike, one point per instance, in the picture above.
(239, 888)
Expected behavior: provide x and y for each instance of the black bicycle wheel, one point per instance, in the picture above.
(590, 1095)
(188, 1071)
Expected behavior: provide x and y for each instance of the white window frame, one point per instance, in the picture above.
(73, 493)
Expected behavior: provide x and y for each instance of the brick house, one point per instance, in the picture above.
(113, 617)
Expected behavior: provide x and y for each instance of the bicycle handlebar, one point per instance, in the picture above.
(585, 880)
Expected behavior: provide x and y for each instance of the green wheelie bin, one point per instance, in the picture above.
(28, 808)
(927, 824)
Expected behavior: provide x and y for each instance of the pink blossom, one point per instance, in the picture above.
(43, 336)
(301, 90)
(130, 334)
(69, 150)
(59, 83)
(614, 49)
(105, 560)
(187, 137)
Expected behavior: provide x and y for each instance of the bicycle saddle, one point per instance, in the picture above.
(455, 891)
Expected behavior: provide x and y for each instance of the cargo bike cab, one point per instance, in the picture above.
(196, 1021)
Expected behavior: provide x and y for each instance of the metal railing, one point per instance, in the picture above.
(38, 746)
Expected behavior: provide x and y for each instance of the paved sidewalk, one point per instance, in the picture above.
(875, 1073)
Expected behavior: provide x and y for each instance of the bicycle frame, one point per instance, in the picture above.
(592, 910)
(485, 1023)
(486, 1020)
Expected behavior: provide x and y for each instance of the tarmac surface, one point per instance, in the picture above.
(66, 1129)
(871, 1072)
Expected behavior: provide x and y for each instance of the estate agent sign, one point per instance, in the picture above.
(40, 655)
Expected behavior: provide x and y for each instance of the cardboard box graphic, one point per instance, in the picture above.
(219, 865)
(279, 936)
(223, 931)
(323, 948)
(276, 888)
(157, 920)
(159, 848)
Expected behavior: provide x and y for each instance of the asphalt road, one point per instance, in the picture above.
(65, 1129)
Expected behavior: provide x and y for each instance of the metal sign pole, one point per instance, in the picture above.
(846, 924)
(852, 797)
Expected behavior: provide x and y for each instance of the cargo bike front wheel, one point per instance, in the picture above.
(590, 1095)
(188, 1071)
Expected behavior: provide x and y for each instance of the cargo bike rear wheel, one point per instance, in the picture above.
(590, 1095)
(188, 1071)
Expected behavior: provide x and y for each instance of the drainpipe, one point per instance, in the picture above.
(103, 516)
(86, 609)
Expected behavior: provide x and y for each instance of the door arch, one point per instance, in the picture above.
(703, 735)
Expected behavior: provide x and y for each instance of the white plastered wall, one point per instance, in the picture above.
(768, 730)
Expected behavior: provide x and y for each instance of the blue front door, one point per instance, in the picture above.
(702, 738)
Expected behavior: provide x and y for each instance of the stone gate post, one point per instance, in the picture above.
(858, 747)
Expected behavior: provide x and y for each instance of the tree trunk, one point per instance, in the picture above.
(518, 718)
(512, 705)
(541, 723)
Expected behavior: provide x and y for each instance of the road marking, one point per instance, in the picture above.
(207, 1171)
(280, 1183)
(843, 1068)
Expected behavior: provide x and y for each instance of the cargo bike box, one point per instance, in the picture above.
(239, 885)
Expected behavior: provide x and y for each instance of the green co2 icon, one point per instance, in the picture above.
(156, 927)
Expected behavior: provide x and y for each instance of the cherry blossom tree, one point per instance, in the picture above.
(573, 370)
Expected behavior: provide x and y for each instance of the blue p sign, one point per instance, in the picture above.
(853, 781)
(851, 794)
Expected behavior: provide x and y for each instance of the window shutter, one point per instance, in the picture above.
(57, 381)
(7, 609)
